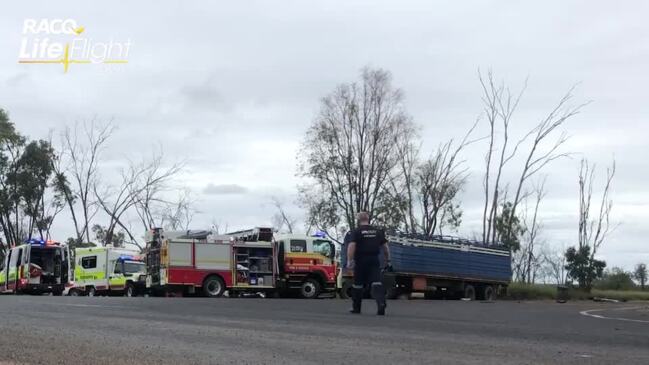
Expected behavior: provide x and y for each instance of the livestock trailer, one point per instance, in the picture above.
(440, 267)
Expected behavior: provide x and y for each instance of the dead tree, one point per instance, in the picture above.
(82, 146)
(499, 107)
(528, 260)
(281, 218)
(141, 188)
(179, 214)
(151, 189)
(594, 231)
(554, 262)
(439, 180)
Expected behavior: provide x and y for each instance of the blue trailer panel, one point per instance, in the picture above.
(450, 260)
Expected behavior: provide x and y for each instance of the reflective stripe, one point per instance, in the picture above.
(357, 286)
(376, 283)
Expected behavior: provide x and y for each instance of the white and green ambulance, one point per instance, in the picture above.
(35, 267)
(108, 271)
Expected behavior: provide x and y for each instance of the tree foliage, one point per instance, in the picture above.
(26, 176)
(640, 274)
(350, 150)
(361, 154)
(102, 234)
(615, 279)
(583, 267)
(509, 228)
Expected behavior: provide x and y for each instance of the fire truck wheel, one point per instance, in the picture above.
(310, 288)
(91, 291)
(346, 290)
(213, 287)
(129, 290)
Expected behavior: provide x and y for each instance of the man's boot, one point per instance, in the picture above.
(378, 292)
(357, 298)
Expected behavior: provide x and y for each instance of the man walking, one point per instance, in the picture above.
(363, 257)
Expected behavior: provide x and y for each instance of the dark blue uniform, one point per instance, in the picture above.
(367, 266)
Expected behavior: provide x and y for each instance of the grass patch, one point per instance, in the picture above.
(518, 291)
(621, 294)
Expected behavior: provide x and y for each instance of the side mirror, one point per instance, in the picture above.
(332, 251)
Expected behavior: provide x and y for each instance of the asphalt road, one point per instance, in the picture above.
(81, 330)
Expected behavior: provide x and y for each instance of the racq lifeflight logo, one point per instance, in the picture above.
(63, 41)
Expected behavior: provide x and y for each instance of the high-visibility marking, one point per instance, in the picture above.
(589, 313)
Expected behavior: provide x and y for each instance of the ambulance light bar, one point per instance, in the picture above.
(129, 258)
(42, 243)
(320, 234)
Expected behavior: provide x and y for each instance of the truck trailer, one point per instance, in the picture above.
(440, 267)
(36, 267)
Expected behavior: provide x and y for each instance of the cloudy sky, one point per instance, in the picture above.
(231, 88)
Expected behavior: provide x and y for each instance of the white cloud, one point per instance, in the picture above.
(224, 189)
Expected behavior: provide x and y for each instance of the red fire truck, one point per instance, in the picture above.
(309, 266)
(188, 262)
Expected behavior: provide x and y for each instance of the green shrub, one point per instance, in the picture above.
(615, 279)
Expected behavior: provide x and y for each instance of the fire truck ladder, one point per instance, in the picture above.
(253, 235)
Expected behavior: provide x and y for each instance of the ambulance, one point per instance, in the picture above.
(108, 271)
(35, 267)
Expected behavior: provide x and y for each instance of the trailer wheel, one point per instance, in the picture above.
(213, 286)
(91, 291)
(129, 290)
(393, 293)
(310, 288)
(469, 292)
(431, 295)
(488, 293)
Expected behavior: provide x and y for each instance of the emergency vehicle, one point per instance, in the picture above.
(108, 271)
(251, 260)
(189, 262)
(36, 267)
(307, 264)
